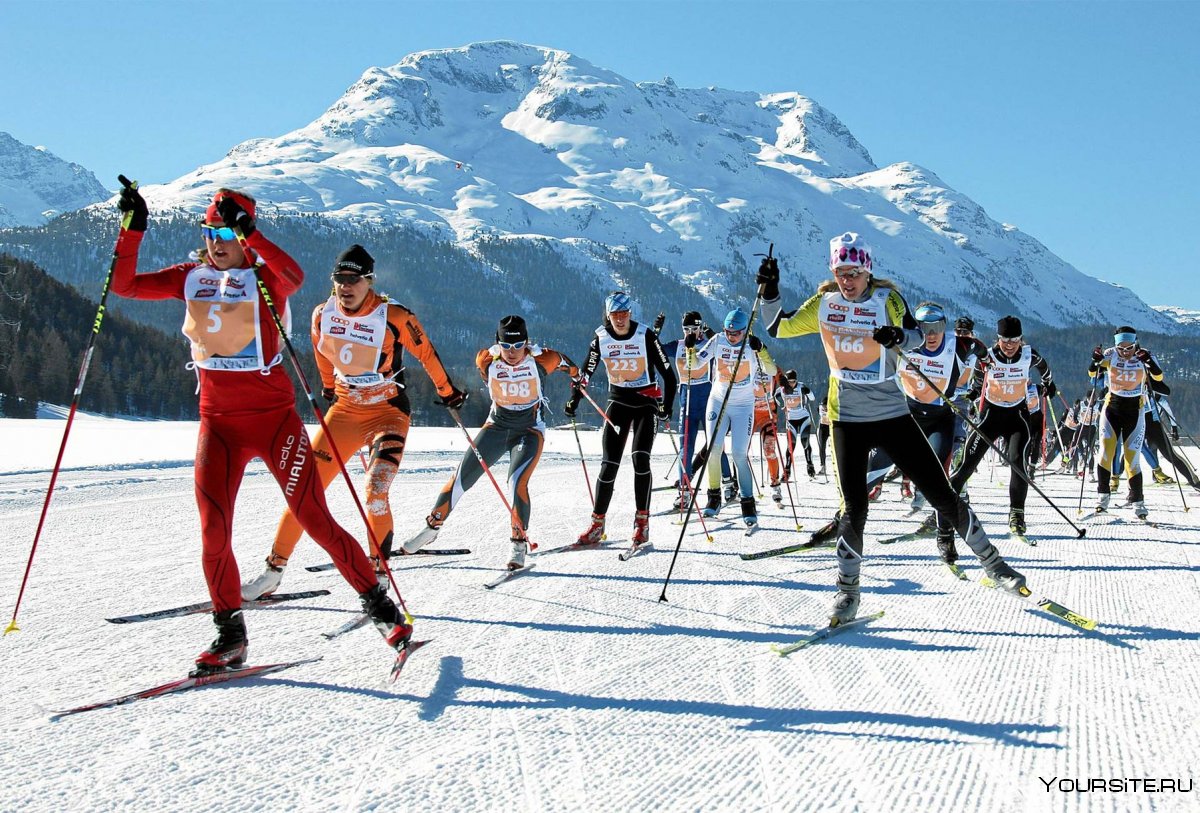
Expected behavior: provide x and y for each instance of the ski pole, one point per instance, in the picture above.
(583, 462)
(1018, 470)
(516, 520)
(312, 402)
(1085, 454)
(62, 447)
(1171, 448)
(603, 414)
(708, 451)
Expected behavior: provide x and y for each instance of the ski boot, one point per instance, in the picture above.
(424, 537)
(1016, 521)
(918, 503)
(268, 582)
(714, 503)
(812, 473)
(1001, 572)
(874, 493)
(749, 512)
(228, 651)
(1114, 483)
(641, 529)
(945, 546)
(906, 491)
(594, 535)
(1139, 509)
(683, 502)
(777, 494)
(822, 471)
(386, 616)
(516, 559)
(1162, 478)
(928, 525)
(826, 533)
(731, 489)
(1102, 505)
(845, 604)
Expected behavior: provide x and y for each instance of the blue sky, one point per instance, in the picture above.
(1076, 121)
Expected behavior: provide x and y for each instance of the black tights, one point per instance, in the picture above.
(639, 421)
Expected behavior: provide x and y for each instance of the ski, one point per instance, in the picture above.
(1045, 604)
(402, 657)
(422, 552)
(574, 546)
(824, 634)
(911, 537)
(957, 571)
(206, 607)
(1022, 538)
(186, 683)
(506, 576)
(350, 626)
(766, 554)
(633, 551)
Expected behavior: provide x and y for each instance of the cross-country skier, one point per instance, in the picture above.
(798, 400)
(635, 363)
(246, 404)
(359, 337)
(1002, 375)
(859, 317)
(1127, 366)
(513, 369)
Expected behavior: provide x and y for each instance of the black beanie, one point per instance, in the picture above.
(512, 329)
(354, 260)
(692, 319)
(1009, 327)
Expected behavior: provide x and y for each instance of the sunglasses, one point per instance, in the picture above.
(1126, 347)
(851, 274)
(349, 279)
(514, 345)
(218, 233)
(1008, 339)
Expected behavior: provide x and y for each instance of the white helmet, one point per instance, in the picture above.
(849, 250)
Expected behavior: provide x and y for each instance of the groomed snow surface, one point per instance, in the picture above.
(573, 687)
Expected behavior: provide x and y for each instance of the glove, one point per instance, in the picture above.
(1142, 355)
(455, 399)
(658, 322)
(571, 405)
(1175, 433)
(888, 335)
(662, 410)
(235, 216)
(755, 343)
(133, 205)
(1097, 354)
(330, 395)
(689, 341)
(709, 332)
(1051, 390)
(768, 278)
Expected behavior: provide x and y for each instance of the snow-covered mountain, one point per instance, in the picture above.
(511, 140)
(36, 185)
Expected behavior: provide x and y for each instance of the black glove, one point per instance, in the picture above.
(755, 343)
(768, 278)
(134, 207)
(888, 335)
(1051, 390)
(662, 410)
(235, 216)
(689, 341)
(330, 395)
(1175, 433)
(571, 405)
(658, 322)
(455, 399)
(1097, 354)
(709, 332)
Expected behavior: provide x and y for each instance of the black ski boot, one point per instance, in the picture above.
(826, 533)
(386, 616)
(1016, 521)
(945, 546)
(228, 651)
(749, 512)
(714, 503)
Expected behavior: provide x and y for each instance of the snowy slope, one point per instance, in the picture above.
(574, 688)
(508, 139)
(36, 185)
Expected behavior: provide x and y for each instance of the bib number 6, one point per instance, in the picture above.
(346, 354)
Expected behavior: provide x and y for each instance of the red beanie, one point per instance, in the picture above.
(211, 215)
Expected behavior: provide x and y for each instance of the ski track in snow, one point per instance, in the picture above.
(573, 687)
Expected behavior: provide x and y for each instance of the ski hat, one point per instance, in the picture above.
(932, 317)
(512, 329)
(790, 375)
(212, 216)
(355, 260)
(693, 319)
(1124, 334)
(617, 301)
(849, 250)
(1009, 327)
(964, 323)
(737, 319)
